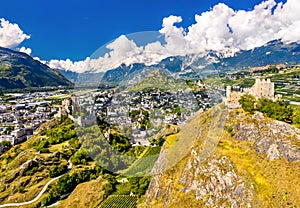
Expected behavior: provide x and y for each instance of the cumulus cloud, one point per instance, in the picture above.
(224, 30)
(122, 51)
(220, 29)
(10, 34)
(68, 65)
(25, 50)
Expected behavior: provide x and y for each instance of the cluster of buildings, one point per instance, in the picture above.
(22, 114)
(157, 108)
(263, 88)
(161, 107)
(159, 104)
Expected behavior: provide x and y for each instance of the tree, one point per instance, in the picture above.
(6, 144)
(296, 118)
(43, 147)
(57, 170)
(278, 110)
(9, 129)
(80, 157)
(248, 103)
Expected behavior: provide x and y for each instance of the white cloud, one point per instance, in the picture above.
(174, 36)
(68, 65)
(25, 50)
(10, 34)
(122, 50)
(225, 30)
(289, 17)
(211, 31)
(221, 29)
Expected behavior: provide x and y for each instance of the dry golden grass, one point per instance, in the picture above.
(276, 183)
(86, 195)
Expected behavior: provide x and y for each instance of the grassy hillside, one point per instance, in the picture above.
(88, 195)
(19, 71)
(158, 80)
(28, 167)
(259, 170)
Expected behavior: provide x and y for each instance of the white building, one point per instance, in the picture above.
(8, 138)
(18, 133)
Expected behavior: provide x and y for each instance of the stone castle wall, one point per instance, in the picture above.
(263, 88)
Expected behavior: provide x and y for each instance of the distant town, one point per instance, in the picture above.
(21, 114)
(141, 113)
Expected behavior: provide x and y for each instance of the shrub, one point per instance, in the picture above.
(57, 170)
(230, 131)
(248, 103)
(296, 117)
(80, 157)
(278, 110)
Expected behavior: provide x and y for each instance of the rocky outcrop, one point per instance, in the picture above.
(274, 138)
(29, 165)
(215, 183)
(241, 171)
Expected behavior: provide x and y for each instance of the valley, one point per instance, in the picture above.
(151, 136)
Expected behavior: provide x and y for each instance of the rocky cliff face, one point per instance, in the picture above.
(255, 164)
(273, 138)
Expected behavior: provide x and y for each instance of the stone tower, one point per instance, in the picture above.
(263, 88)
(228, 92)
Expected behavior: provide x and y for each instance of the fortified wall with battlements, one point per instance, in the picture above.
(263, 88)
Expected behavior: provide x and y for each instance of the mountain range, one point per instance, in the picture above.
(199, 65)
(274, 52)
(19, 70)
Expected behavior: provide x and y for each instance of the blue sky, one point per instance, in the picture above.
(74, 29)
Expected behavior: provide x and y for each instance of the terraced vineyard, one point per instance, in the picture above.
(145, 164)
(287, 83)
(119, 201)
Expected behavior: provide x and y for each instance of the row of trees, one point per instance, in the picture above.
(279, 110)
(67, 183)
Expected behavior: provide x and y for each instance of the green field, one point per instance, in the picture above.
(287, 83)
(120, 201)
(145, 164)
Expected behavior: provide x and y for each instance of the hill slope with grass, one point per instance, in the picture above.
(19, 70)
(256, 163)
(157, 79)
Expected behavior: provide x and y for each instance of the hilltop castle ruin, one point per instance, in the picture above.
(263, 88)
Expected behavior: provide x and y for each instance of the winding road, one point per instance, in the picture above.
(41, 192)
